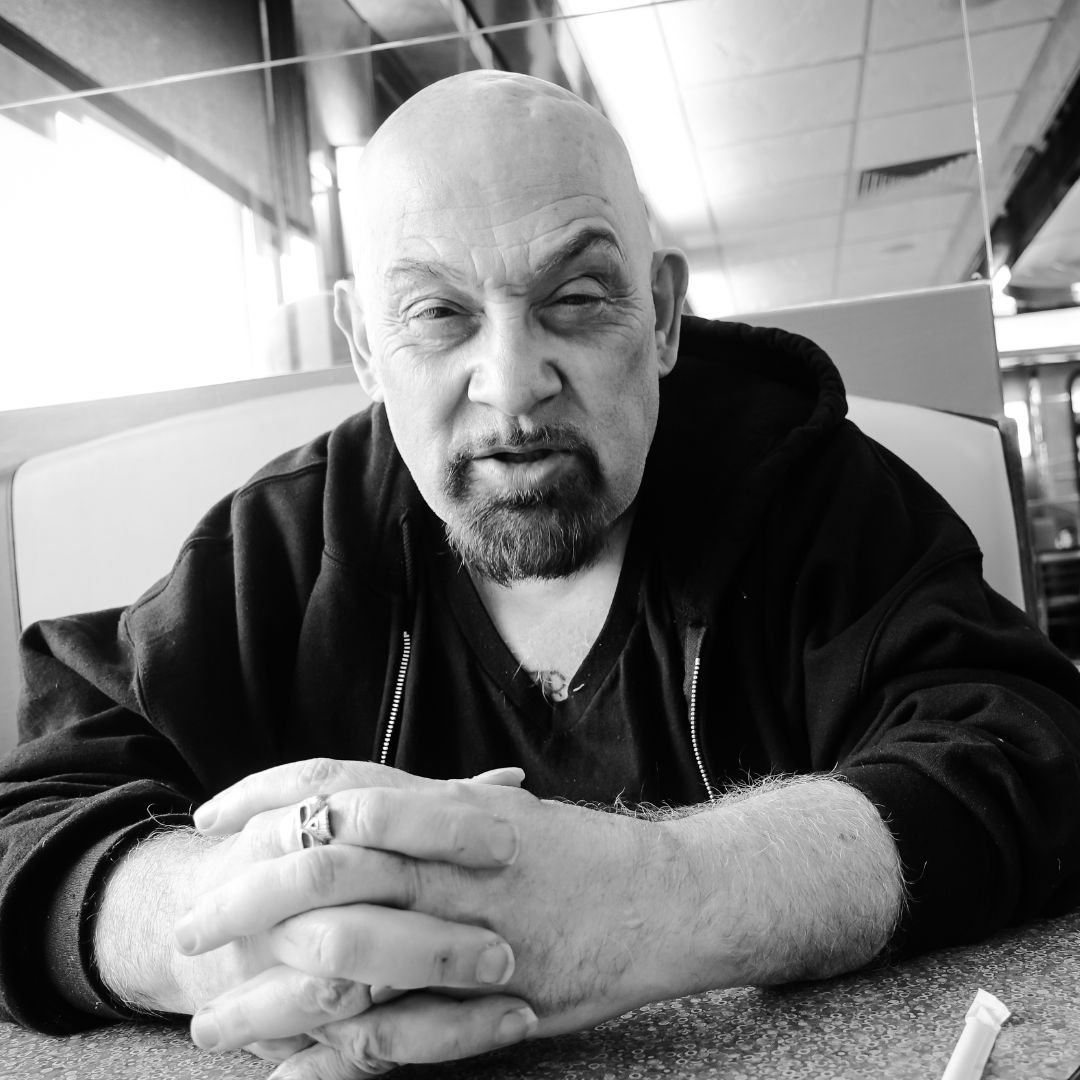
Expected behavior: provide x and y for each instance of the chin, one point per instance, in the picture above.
(525, 536)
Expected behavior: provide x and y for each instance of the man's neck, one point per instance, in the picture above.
(550, 625)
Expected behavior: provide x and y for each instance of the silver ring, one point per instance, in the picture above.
(313, 825)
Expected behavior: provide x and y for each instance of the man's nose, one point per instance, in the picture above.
(515, 370)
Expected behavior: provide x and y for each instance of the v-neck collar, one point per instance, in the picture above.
(482, 636)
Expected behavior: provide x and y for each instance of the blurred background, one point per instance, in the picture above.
(174, 178)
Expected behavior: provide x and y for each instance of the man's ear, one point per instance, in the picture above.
(670, 274)
(350, 320)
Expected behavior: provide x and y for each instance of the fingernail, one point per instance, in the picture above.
(186, 938)
(496, 964)
(205, 817)
(204, 1030)
(503, 842)
(516, 1025)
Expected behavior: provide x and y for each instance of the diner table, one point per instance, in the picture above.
(898, 1021)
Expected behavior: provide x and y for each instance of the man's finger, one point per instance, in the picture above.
(277, 1003)
(440, 824)
(284, 785)
(381, 946)
(320, 1062)
(511, 776)
(268, 892)
(417, 1029)
(276, 1050)
(291, 783)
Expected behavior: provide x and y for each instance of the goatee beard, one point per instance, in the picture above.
(550, 531)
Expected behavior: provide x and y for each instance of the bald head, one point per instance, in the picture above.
(495, 140)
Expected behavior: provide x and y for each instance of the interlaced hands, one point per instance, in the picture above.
(443, 919)
(327, 961)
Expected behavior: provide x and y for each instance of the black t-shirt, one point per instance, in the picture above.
(622, 733)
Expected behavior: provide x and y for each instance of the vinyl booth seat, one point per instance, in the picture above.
(96, 524)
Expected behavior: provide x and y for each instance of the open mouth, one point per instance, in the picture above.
(521, 457)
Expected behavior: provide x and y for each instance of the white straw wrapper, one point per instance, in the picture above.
(983, 1022)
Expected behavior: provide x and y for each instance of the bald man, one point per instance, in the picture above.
(771, 722)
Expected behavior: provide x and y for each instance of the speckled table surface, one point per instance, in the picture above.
(899, 1022)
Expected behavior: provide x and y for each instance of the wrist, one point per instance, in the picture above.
(682, 947)
(142, 896)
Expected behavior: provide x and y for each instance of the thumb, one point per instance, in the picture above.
(510, 776)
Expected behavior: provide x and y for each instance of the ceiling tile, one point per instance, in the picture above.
(897, 23)
(901, 218)
(777, 161)
(738, 213)
(927, 133)
(860, 281)
(1003, 60)
(773, 241)
(914, 250)
(936, 74)
(747, 110)
(909, 79)
(774, 283)
(717, 40)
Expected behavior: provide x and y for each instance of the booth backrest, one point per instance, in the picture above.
(967, 459)
(96, 524)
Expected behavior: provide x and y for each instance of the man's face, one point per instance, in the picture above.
(511, 333)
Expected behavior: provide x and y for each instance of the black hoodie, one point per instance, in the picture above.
(828, 607)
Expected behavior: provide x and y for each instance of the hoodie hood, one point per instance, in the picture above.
(743, 407)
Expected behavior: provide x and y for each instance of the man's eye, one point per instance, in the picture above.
(577, 298)
(434, 311)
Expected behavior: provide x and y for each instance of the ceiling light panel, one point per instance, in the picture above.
(637, 88)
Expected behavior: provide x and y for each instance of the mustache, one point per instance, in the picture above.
(543, 437)
(558, 437)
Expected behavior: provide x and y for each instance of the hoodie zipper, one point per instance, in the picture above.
(399, 688)
(692, 709)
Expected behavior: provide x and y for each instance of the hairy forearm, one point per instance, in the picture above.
(133, 929)
(790, 879)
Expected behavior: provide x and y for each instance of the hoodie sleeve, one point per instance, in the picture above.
(89, 777)
(130, 718)
(934, 696)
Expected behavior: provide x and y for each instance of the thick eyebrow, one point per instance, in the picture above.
(406, 270)
(582, 243)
